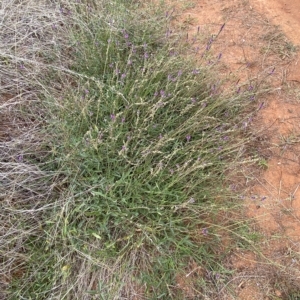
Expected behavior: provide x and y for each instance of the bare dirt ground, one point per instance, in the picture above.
(260, 42)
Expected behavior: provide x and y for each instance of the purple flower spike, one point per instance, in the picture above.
(188, 138)
(261, 106)
(222, 27)
(272, 71)
(205, 231)
(162, 93)
(113, 117)
(20, 157)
